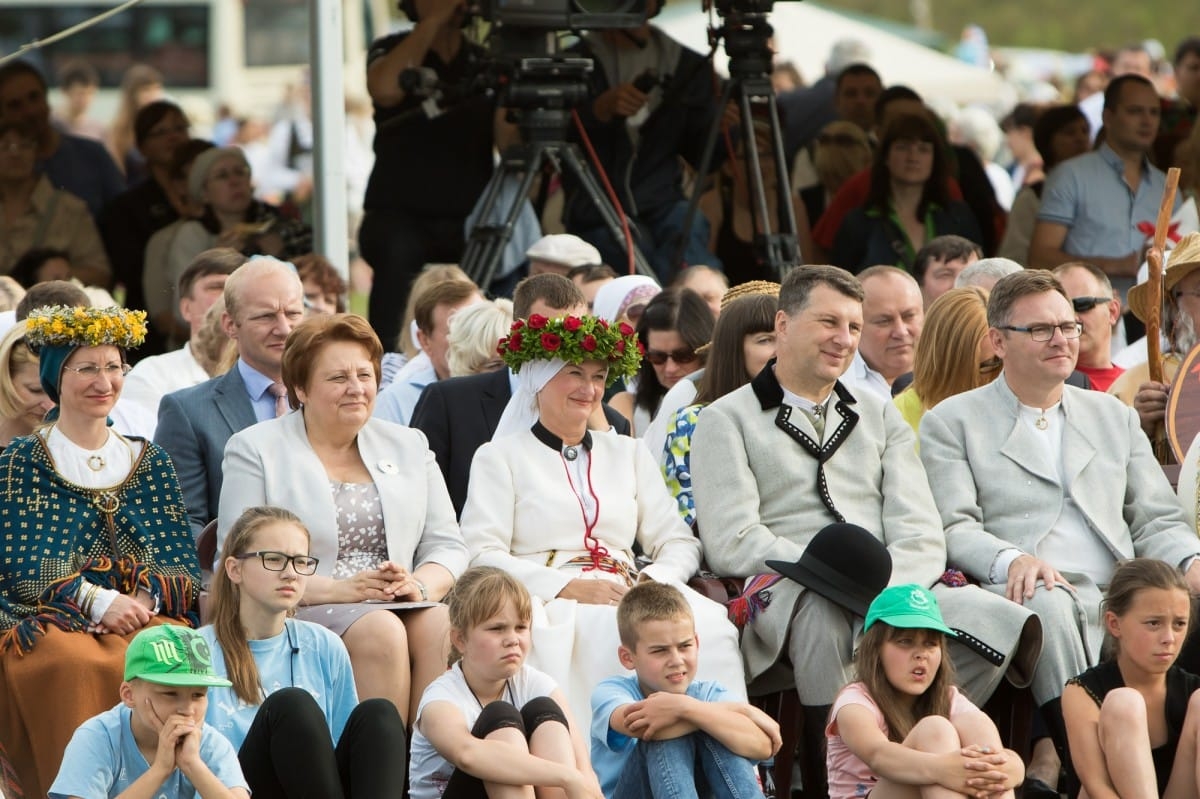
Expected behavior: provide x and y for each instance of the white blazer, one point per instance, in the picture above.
(272, 463)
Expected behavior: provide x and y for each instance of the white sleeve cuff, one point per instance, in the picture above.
(1004, 559)
(100, 603)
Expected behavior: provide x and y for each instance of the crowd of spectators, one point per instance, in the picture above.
(964, 382)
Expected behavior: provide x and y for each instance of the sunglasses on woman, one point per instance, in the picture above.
(681, 357)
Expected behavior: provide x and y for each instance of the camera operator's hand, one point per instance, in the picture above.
(620, 101)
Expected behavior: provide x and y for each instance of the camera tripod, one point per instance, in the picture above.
(746, 43)
(540, 98)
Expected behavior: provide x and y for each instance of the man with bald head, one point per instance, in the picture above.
(1097, 309)
(893, 315)
(264, 300)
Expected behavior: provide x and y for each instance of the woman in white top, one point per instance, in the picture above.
(563, 509)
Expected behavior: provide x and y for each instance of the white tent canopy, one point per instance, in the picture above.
(804, 34)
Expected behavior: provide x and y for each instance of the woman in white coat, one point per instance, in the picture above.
(373, 499)
(564, 509)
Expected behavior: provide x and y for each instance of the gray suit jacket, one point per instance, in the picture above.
(757, 498)
(193, 426)
(272, 463)
(994, 495)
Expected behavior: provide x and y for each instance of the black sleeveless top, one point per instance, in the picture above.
(738, 258)
(1099, 680)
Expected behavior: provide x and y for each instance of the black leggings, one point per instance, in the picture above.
(497, 716)
(289, 753)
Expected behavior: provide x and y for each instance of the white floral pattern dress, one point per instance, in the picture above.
(361, 545)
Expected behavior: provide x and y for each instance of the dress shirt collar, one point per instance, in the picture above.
(256, 382)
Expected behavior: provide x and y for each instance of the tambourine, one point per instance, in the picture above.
(1183, 405)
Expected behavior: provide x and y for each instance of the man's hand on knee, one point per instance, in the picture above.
(1025, 572)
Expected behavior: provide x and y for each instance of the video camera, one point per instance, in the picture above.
(564, 15)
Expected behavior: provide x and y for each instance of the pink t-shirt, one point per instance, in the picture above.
(849, 776)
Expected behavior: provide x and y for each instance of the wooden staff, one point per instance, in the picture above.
(1154, 285)
(1155, 281)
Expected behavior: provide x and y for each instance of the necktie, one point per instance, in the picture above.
(817, 417)
(279, 392)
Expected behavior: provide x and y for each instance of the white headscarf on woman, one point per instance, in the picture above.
(615, 296)
(521, 411)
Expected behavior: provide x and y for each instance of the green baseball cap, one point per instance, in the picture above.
(171, 655)
(908, 606)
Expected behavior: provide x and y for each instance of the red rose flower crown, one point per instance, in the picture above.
(573, 339)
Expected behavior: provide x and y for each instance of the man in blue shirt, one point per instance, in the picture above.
(264, 300)
(1093, 205)
(80, 166)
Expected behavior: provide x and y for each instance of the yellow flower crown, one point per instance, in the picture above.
(73, 326)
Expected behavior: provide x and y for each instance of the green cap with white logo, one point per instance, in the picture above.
(168, 654)
(908, 606)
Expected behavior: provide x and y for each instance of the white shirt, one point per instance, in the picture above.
(154, 377)
(428, 770)
(680, 395)
(861, 376)
(1070, 546)
(1135, 354)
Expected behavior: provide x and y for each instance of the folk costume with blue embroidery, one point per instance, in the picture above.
(81, 529)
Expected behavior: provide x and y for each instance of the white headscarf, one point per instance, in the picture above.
(522, 411)
(613, 297)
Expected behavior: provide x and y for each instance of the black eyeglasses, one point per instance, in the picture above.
(277, 561)
(681, 357)
(1046, 332)
(1085, 304)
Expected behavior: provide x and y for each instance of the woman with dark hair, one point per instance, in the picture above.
(909, 201)
(674, 325)
(1061, 132)
(157, 131)
(743, 343)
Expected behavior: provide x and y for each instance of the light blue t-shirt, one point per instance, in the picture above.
(610, 749)
(103, 759)
(397, 402)
(319, 665)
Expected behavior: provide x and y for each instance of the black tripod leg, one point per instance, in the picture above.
(776, 247)
(485, 247)
(571, 160)
(701, 172)
(790, 255)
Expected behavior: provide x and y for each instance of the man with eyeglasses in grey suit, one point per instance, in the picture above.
(1042, 487)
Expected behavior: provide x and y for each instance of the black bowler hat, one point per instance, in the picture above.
(843, 563)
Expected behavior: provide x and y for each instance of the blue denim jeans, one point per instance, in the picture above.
(687, 767)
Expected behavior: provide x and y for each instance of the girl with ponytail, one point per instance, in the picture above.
(292, 711)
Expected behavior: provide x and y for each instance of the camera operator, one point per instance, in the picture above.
(653, 102)
(430, 167)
